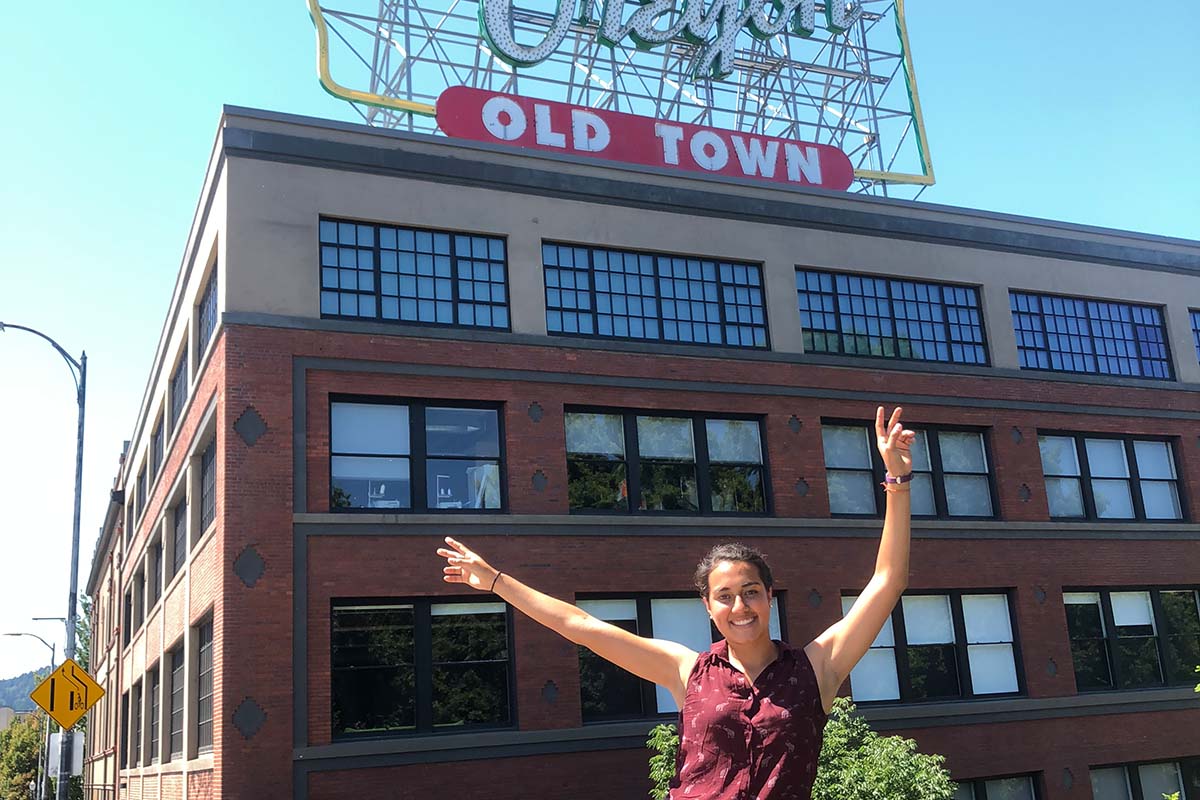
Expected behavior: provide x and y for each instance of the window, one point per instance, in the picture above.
(156, 450)
(155, 713)
(179, 390)
(139, 598)
(951, 472)
(696, 464)
(141, 493)
(1094, 477)
(124, 748)
(177, 696)
(1147, 781)
(1018, 788)
(179, 544)
(622, 294)
(424, 457)
(127, 633)
(154, 572)
(940, 647)
(1195, 315)
(890, 318)
(1133, 639)
(420, 667)
(204, 688)
(207, 314)
(609, 692)
(136, 707)
(1074, 334)
(412, 275)
(208, 487)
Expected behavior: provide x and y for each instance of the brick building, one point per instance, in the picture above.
(592, 373)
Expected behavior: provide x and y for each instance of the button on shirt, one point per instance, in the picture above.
(744, 741)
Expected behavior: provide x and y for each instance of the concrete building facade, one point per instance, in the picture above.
(592, 373)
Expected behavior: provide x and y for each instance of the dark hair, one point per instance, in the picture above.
(732, 551)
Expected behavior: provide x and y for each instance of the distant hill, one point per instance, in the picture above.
(14, 692)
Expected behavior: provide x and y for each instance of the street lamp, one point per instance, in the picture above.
(42, 754)
(79, 374)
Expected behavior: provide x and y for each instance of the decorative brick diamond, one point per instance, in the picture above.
(250, 426)
(814, 599)
(802, 487)
(540, 481)
(550, 692)
(795, 424)
(249, 718)
(1052, 667)
(1040, 594)
(1025, 493)
(535, 411)
(249, 566)
(1017, 436)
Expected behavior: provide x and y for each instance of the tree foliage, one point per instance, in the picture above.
(19, 746)
(856, 763)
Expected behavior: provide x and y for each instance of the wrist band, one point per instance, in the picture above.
(889, 478)
(493, 586)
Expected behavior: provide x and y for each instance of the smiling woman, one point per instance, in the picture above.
(753, 707)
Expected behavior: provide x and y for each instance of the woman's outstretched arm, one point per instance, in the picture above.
(835, 652)
(665, 663)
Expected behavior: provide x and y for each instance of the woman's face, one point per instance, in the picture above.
(738, 602)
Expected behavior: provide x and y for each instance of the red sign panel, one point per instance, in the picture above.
(558, 127)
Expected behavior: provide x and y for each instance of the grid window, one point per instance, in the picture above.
(413, 275)
(179, 390)
(124, 748)
(207, 313)
(204, 688)
(177, 698)
(951, 476)
(628, 295)
(135, 701)
(938, 647)
(1147, 781)
(420, 667)
(414, 456)
(154, 572)
(1195, 315)
(693, 464)
(610, 693)
(1074, 334)
(127, 632)
(179, 543)
(155, 710)
(1133, 639)
(1022, 787)
(1092, 477)
(141, 493)
(156, 450)
(208, 486)
(890, 318)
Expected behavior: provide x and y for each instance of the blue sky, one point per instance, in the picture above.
(1083, 112)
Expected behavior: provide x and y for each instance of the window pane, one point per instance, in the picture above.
(962, 452)
(1183, 656)
(874, 677)
(462, 432)
(963, 791)
(1010, 789)
(968, 496)
(470, 665)
(460, 483)
(886, 638)
(733, 441)
(1180, 612)
(986, 618)
(665, 437)
(1161, 500)
(1133, 610)
(993, 670)
(1084, 620)
(605, 690)
(1090, 657)
(737, 489)
(851, 492)
(1159, 779)
(920, 453)
(1137, 662)
(369, 429)
(681, 620)
(595, 484)
(927, 619)
(1154, 460)
(1059, 456)
(1106, 458)
(371, 483)
(1113, 499)
(669, 487)
(846, 447)
(1065, 497)
(1110, 784)
(1181, 621)
(922, 495)
(595, 434)
(933, 671)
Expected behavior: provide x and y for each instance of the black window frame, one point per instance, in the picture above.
(155, 686)
(1134, 779)
(891, 283)
(156, 450)
(961, 654)
(1194, 314)
(423, 664)
(418, 455)
(124, 743)
(703, 464)
(127, 628)
(205, 685)
(1135, 487)
(208, 488)
(179, 389)
(979, 785)
(179, 536)
(142, 487)
(658, 278)
(154, 571)
(206, 314)
(936, 471)
(1166, 659)
(1026, 353)
(135, 707)
(376, 249)
(178, 701)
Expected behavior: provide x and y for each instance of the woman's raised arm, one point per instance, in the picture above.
(835, 652)
(667, 664)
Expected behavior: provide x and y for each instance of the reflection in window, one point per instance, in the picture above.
(597, 474)
(470, 665)
(373, 664)
(1127, 478)
(1148, 781)
(1018, 788)
(462, 467)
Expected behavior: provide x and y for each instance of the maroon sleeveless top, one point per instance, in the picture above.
(743, 741)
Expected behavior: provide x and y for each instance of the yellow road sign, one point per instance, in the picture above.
(67, 694)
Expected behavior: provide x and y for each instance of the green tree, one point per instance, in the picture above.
(19, 745)
(856, 763)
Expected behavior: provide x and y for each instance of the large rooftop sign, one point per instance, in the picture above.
(791, 91)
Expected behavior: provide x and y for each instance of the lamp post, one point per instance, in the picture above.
(79, 374)
(42, 754)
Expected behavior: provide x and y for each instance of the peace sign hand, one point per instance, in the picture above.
(895, 443)
(465, 566)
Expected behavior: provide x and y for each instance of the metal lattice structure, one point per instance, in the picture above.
(854, 90)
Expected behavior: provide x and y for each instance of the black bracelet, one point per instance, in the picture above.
(493, 586)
